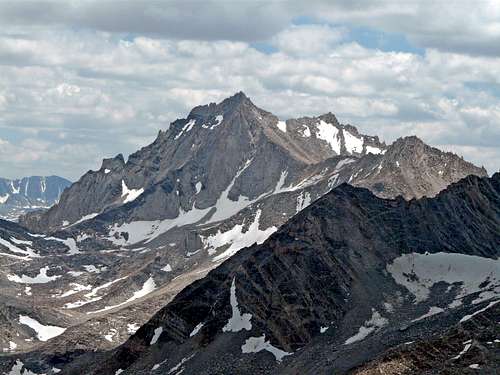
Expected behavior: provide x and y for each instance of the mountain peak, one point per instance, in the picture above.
(113, 163)
(408, 146)
(235, 101)
(239, 96)
(232, 144)
(26, 194)
(409, 140)
(230, 104)
(329, 118)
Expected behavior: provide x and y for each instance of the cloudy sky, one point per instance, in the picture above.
(84, 80)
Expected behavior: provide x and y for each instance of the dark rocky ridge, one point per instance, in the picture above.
(437, 354)
(321, 265)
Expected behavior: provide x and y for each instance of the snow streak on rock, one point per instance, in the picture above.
(238, 321)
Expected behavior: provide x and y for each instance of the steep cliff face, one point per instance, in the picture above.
(197, 158)
(351, 264)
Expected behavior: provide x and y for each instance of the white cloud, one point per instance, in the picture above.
(71, 97)
(308, 39)
(176, 19)
(464, 27)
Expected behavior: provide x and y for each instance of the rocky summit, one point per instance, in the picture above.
(191, 164)
(80, 278)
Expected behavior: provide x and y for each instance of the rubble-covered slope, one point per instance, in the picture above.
(350, 266)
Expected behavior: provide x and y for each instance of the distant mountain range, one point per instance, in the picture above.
(124, 240)
(20, 196)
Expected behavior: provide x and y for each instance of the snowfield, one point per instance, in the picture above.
(237, 239)
(41, 278)
(470, 274)
(43, 333)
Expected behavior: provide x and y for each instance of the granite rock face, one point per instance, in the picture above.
(196, 159)
(413, 169)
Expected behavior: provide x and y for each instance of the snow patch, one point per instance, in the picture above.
(70, 243)
(12, 347)
(433, 310)
(130, 195)
(329, 133)
(132, 328)
(352, 143)
(112, 333)
(373, 150)
(420, 272)
(196, 329)
(178, 366)
(305, 132)
(14, 189)
(41, 278)
(85, 218)
(198, 187)
(225, 207)
(17, 369)
(148, 287)
(236, 238)
(376, 322)
(28, 252)
(167, 268)
(75, 288)
(466, 348)
(281, 126)
(156, 335)
(490, 305)
(257, 344)
(21, 242)
(186, 128)
(44, 333)
(93, 269)
(94, 291)
(238, 321)
(218, 120)
(303, 200)
(280, 186)
(139, 231)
